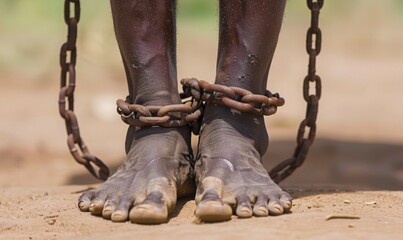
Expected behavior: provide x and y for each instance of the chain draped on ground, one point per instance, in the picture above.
(195, 94)
(68, 57)
(313, 47)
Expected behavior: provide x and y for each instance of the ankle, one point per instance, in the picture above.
(245, 126)
(157, 98)
(245, 75)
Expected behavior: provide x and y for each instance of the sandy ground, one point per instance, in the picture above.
(51, 213)
(355, 167)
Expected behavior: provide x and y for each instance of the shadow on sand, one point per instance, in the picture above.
(353, 165)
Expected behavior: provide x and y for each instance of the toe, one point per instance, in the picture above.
(275, 207)
(120, 212)
(261, 209)
(243, 209)
(149, 213)
(212, 209)
(286, 201)
(107, 211)
(97, 205)
(109, 208)
(84, 200)
(153, 210)
(119, 216)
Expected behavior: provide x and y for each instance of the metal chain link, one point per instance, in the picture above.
(313, 47)
(68, 57)
(173, 115)
(190, 111)
(241, 99)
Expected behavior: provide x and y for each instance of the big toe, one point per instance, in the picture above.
(153, 210)
(149, 213)
(213, 211)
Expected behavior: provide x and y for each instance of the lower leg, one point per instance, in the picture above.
(145, 31)
(144, 189)
(248, 36)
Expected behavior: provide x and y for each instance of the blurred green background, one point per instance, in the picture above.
(31, 30)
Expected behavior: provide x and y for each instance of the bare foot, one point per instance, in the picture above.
(229, 172)
(145, 188)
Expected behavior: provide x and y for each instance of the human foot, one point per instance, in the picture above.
(145, 187)
(228, 169)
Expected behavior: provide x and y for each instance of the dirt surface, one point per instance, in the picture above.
(51, 213)
(355, 167)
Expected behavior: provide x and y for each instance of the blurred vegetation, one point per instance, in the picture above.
(31, 31)
(197, 10)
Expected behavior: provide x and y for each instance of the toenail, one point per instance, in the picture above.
(117, 215)
(277, 209)
(94, 208)
(81, 205)
(107, 209)
(261, 212)
(244, 212)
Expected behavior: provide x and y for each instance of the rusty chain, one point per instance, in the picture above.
(241, 99)
(313, 47)
(68, 57)
(190, 111)
(173, 115)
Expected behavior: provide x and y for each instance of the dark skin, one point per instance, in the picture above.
(146, 186)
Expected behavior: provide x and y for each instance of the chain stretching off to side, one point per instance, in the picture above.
(313, 47)
(68, 57)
